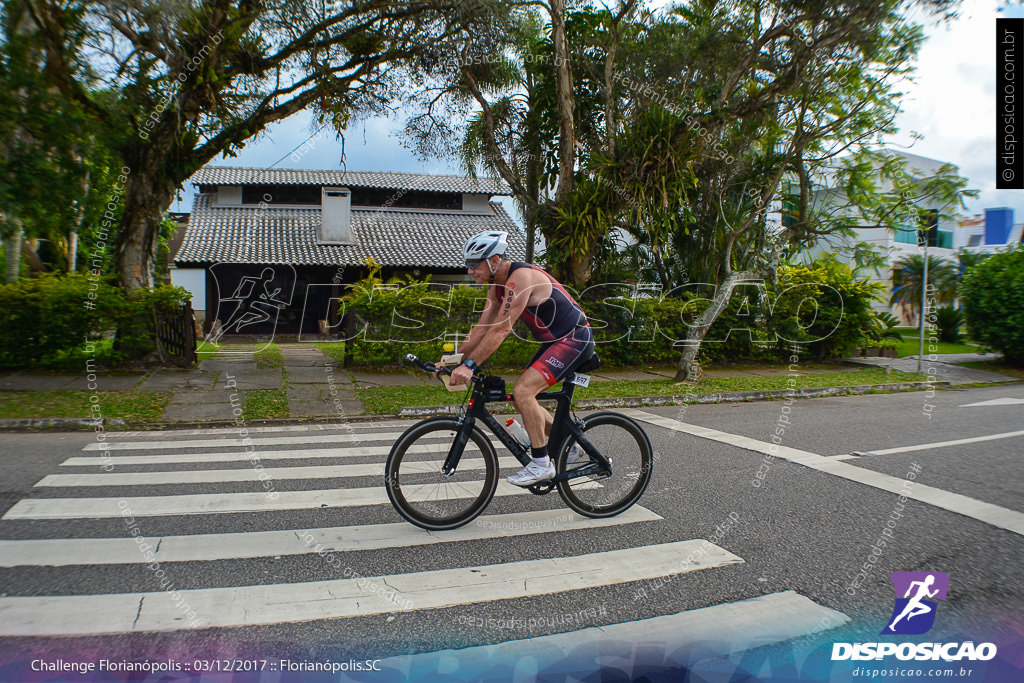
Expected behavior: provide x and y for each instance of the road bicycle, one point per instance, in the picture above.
(433, 486)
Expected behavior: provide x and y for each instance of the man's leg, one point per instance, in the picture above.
(536, 420)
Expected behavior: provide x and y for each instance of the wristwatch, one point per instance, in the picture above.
(470, 363)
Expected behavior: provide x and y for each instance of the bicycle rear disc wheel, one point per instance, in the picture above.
(605, 494)
(425, 497)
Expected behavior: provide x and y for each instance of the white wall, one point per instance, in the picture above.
(194, 280)
(475, 203)
(229, 195)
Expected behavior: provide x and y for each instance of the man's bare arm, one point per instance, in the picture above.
(487, 320)
(494, 333)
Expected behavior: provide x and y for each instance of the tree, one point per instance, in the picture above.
(185, 83)
(738, 103)
(512, 102)
(907, 292)
(50, 158)
(777, 93)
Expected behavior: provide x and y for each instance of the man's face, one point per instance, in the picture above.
(479, 270)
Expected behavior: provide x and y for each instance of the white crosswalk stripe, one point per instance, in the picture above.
(342, 455)
(357, 437)
(207, 547)
(209, 503)
(244, 474)
(341, 598)
(379, 452)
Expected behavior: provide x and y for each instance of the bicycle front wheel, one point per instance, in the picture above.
(607, 493)
(422, 494)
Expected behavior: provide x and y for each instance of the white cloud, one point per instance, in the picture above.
(952, 102)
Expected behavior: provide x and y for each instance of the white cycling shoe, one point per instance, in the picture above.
(532, 474)
(576, 453)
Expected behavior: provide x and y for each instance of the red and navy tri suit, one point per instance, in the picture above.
(559, 323)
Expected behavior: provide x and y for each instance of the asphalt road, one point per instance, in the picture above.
(800, 528)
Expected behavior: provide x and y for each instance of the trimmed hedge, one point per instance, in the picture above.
(45, 317)
(823, 307)
(992, 293)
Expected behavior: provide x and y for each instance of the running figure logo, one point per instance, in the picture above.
(255, 300)
(914, 613)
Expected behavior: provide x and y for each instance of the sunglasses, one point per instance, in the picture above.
(472, 264)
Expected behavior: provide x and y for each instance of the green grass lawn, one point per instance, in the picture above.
(335, 350)
(206, 350)
(391, 400)
(264, 404)
(131, 406)
(269, 358)
(911, 345)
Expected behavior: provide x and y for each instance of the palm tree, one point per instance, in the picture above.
(942, 278)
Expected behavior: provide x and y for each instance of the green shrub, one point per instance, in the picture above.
(825, 307)
(43, 316)
(993, 298)
(47, 318)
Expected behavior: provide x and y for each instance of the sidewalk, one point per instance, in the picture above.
(943, 368)
(316, 389)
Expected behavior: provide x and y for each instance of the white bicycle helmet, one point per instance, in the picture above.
(485, 245)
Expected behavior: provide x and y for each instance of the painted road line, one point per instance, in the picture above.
(241, 455)
(1005, 401)
(217, 503)
(209, 547)
(1001, 517)
(718, 631)
(242, 443)
(345, 598)
(347, 427)
(944, 444)
(246, 474)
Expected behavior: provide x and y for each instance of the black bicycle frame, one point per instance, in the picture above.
(563, 428)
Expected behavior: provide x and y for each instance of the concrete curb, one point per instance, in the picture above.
(62, 422)
(422, 411)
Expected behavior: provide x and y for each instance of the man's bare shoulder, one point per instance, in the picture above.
(533, 283)
(523, 277)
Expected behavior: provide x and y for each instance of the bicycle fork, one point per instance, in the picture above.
(458, 446)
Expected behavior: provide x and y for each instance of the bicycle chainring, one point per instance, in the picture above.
(541, 488)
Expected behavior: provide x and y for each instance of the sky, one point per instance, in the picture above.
(951, 103)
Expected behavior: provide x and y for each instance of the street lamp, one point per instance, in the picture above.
(924, 290)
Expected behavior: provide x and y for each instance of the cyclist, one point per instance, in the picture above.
(522, 291)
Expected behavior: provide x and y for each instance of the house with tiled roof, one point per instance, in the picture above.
(298, 238)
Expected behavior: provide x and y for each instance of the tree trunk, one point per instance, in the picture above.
(566, 104)
(146, 197)
(687, 369)
(13, 244)
(72, 250)
(581, 267)
(30, 252)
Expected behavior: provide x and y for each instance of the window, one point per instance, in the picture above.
(406, 199)
(281, 194)
(974, 241)
(906, 235)
(929, 222)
